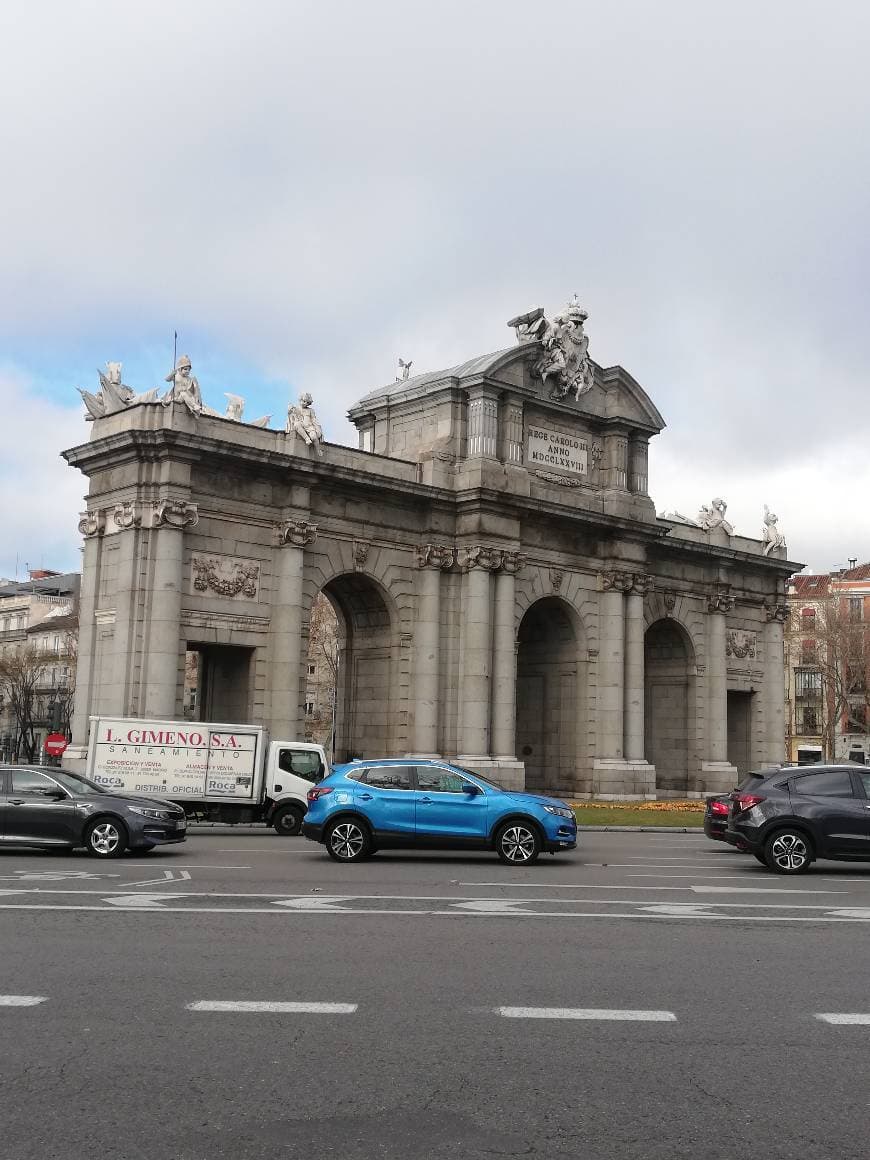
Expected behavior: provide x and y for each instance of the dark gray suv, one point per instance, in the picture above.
(790, 816)
(52, 808)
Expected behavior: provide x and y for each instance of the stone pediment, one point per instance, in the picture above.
(614, 395)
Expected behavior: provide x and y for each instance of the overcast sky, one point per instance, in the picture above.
(307, 191)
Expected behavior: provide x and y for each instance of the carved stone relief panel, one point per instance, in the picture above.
(229, 577)
(740, 643)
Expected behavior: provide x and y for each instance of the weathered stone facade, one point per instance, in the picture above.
(506, 594)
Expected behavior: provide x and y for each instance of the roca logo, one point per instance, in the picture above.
(108, 780)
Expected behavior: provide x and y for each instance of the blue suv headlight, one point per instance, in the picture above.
(559, 811)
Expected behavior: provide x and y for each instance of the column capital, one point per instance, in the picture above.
(642, 583)
(92, 523)
(127, 515)
(721, 601)
(512, 562)
(297, 533)
(435, 556)
(612, 580)
(776, 612)
(174, 513)
(480, 556)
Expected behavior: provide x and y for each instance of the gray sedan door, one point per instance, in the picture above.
(38, 810)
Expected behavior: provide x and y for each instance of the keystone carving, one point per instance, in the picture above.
(435, 556)
(670, 599)
(299, 533)
(776, 612)
(226, 577)
(556, 578)
(361, 549)
(174, 513)
(127, 515)
(92, 523)
(720, 602)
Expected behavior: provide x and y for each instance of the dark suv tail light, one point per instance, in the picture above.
(745, 801)
(718, 808)
(318, 791)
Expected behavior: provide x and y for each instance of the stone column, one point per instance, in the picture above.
(127, 517)
(774, 691)
(513, 431)
(611, 664)
(505, 660)
(482, 422)
(476, 651)
(92, 525)
(716, 772)
(285, 723)
(634, 670)
(160, 687)
(432, 559)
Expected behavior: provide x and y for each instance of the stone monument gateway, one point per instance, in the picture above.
(506, 594)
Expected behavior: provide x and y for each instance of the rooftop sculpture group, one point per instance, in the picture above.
(712, 517)
(563, 362)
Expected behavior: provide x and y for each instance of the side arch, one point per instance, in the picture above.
(670, 695)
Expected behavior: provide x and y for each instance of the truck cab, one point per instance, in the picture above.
(292, 767)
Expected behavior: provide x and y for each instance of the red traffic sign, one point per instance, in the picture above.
(55, 744)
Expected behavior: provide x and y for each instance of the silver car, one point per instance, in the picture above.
(54, 808)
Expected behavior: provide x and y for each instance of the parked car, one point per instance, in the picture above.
(55, 808)
(368, 805)
(790, 816)
(716, 811)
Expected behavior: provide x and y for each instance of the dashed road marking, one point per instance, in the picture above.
(857, 1019)
(270, 1008)
(587, 1013)
(21, 1000)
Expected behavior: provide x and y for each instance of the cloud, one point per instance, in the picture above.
(307, 190)
(42, 495)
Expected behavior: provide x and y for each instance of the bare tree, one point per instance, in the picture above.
(22, 669)
(323, 654)
(836, 643)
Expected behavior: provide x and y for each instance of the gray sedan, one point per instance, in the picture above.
(56, 809)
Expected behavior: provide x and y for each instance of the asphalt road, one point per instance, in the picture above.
(650, 996)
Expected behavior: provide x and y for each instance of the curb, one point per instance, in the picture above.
(643, 829)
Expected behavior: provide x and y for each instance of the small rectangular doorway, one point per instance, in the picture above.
(217, 683)
(739, 730)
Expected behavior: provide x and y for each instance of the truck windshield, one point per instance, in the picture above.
(75, 783)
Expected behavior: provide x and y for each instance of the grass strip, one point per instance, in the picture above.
(662, 814)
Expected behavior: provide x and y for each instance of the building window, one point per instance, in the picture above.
(856, 608)
(809, 652)
(807, 683)
(311, 670)
(808, 619)
(808, 720)
(309, 708)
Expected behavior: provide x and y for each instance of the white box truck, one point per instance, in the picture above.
(217, 772)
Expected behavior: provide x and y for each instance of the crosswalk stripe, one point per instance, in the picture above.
(587, 1013)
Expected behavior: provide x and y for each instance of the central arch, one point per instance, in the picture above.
(365, 724)
(669, 693)
(547, 728)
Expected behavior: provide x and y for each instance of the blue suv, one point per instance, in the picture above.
(378, 802)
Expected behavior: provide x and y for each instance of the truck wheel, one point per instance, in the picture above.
(288, 821)
(106, 838)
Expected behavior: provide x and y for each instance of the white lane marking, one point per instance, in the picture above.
(760, 890)
(704, 877)
(281, 1008)
(680, 909)
(138, 901)
(252, 850)
(197, 866)
(845, 1020)
(168, 876)
(853, 912)
(21, 1000)
(586, 1013)
(503, 905)
(563, 886)
(52, 876)
(318, 902)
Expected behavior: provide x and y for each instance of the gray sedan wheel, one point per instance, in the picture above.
(518, 843)
(788, 852)
(348, 840)
(106, 838)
